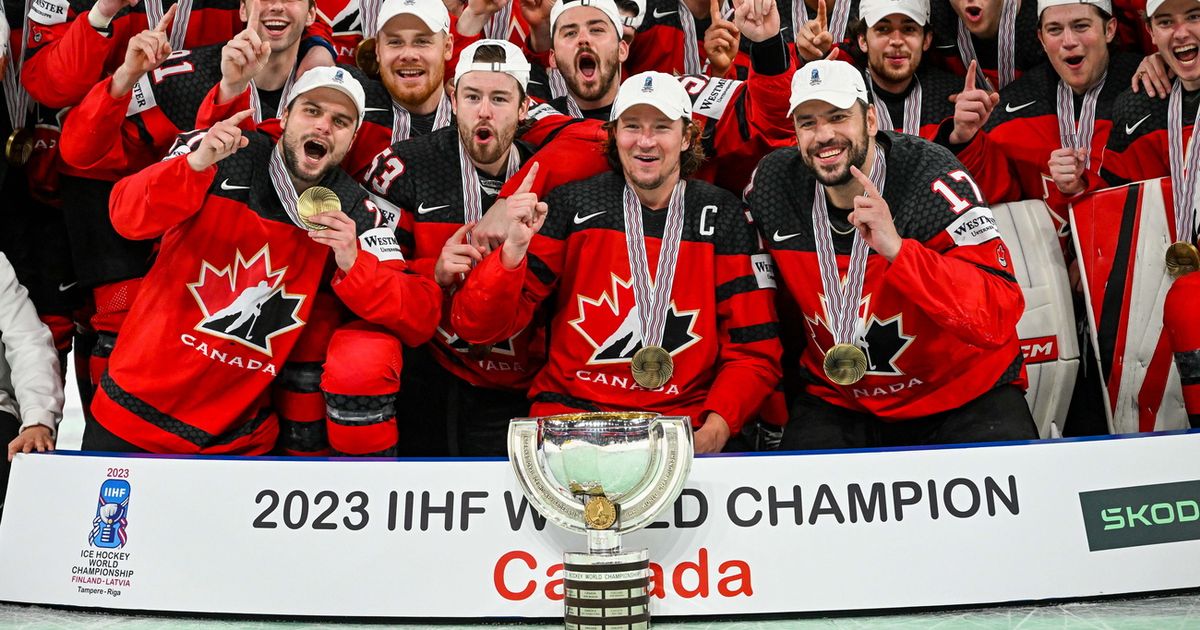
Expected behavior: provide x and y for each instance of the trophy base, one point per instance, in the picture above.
(607, 592)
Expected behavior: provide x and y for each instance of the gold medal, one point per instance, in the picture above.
(652, 367)
(19, 148)
(315, 200)
(845, 364)
(364, 57)
(1182, 259)
(599, 513)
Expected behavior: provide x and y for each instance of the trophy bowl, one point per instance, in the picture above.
(599, 453)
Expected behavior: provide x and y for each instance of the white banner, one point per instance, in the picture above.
(751, 534)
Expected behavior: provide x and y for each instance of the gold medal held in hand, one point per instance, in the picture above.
(599, 513)
(19, 147)
(315, 200)
(652, 367)
(1182, 259)
(845, 364)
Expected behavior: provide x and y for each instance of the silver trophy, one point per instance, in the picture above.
(603, 474)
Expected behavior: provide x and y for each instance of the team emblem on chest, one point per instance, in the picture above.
(246, 302)
(609, 322)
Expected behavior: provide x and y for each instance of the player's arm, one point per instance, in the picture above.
(500, 295)
(390, 177)
(988, 163)
(148, 203)
(65, 56)
(748, 356)
(962, 277)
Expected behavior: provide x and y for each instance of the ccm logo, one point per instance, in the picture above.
(1040, 349)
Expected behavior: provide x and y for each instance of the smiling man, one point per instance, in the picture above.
(918, 344)
(238, 272)
(655, 299)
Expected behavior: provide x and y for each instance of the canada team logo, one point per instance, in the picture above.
(883, 342)
(246, 302)
(610, 323)
(108, 527)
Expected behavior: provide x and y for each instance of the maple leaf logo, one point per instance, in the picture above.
(459, 344)
(610, 323)
(246, 302)
(883, 342)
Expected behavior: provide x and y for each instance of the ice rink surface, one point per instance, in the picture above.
(1176, 612)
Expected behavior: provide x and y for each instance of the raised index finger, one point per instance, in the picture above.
(868, 185)
(714, 9)
(527, 183)
(971, 70)
(821, 14)
(255, 9)
(165, 23)
(460, 235)
(237, 118)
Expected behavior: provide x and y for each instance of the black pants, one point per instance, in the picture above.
(439, 414)
(97, 438)
(9, 428)
(996, 416)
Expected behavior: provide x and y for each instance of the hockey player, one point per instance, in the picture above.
(185, 377)
(996, 34)
(441, 184)
(918, 344)
(656, 300)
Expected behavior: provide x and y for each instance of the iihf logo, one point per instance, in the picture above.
(648, 86)
(108, 528)
(337, 76)
(815, 78)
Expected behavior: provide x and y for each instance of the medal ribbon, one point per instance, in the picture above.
(471, 188)
(842, 299)
(500, 24)
(558, 85)
(283, 185)
(402, 119)
(155, 13)
(837, 22)
(368, 15)
(653, 297)
(256, 103)
(1078, 134)
(1005, 48)
(692, 63)
(15, 96)
(1183, 175)
(912, 109)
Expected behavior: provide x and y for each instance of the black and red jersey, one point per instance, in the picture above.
(1008, 157)
(219, 314)
(1179, 322)
(1028, 52)
(937, 86)
(940, 320)
(1139, 147)
(422, 179)
(720, 329)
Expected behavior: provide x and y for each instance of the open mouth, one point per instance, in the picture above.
(275, 27)
(974, 13)
(1074, 61)
(483, 135)
(830, 154)
(587, 65)
(1186, 53)
(315, 150)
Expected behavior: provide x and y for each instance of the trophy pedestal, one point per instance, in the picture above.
(607, 592)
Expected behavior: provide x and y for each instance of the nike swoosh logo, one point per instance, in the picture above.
(421, 209)
(375, 109)
(659, 16)
(1129, 128)
(64, 287)
(225, 185)
(779, 238)
(579, 219)
(946, 46)
(1010, 109)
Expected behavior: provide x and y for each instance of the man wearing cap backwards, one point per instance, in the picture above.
(237, 273)
(456, 398)
(656, 297)
(910, 95)
(918, 343)
(1154, 138)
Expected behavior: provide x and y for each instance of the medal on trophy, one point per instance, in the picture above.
(314, 201)
(844, 363)
(652, 366)
(602, 475)
(1182, 256)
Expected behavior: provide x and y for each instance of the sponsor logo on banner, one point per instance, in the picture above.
(1141, 515)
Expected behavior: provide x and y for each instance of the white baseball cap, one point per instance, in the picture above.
(1103, 5)
(515, 64)
(656, 89)
(331, 77)
(1152, 7)
(635, 22)
(835, 82)
(432, 12)
(874, 10)
(608, 7)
